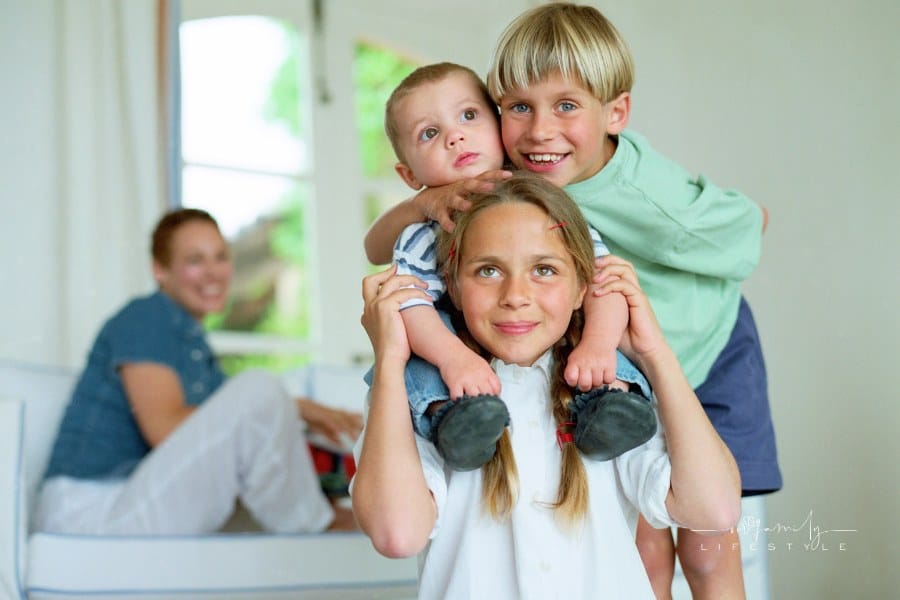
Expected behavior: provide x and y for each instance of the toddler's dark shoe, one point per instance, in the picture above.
(465, 431)
(610, 422)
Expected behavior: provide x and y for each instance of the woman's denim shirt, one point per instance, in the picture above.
(99, 437)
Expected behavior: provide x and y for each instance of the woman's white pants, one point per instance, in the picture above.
(244, 442)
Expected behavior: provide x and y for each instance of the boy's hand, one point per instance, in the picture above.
(440, 203)
(590, 366)
(467, 374)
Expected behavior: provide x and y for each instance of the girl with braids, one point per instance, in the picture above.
(537, 520)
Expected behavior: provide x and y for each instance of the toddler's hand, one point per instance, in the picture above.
(467, 374)
(590, 367)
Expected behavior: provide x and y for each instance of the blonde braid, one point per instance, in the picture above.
(573, 495)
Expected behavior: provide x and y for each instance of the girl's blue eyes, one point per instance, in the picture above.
(539, 270)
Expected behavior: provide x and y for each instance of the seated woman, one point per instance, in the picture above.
(155, 440)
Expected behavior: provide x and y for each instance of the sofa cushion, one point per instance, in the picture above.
(325, 565)
(45, 392)
(12, 498)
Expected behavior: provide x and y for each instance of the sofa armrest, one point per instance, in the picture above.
(13, 512)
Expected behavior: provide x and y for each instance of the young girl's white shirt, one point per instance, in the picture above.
(531, 555)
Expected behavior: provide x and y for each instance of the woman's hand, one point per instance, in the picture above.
(643, 336)
(335, 424)
(383, 293)
(442, 202)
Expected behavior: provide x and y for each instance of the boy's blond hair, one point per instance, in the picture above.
(423, 75)
(575, 41)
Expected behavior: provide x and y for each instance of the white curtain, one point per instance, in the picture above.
(110, 160)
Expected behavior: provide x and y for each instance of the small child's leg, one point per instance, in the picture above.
(465, 431)
(657, 550)
(424, 387)
(712, 564)
(610, 421)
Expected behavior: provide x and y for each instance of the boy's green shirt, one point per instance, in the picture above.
(691, 243)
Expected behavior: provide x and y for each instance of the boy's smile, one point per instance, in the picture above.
(559, 130)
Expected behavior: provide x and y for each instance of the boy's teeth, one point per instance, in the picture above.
(544, 157)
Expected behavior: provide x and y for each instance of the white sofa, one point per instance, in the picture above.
(249, 565)
(226, 565)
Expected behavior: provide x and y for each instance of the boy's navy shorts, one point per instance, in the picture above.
(735, 397)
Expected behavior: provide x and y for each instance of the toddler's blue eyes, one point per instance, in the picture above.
(518, 108)
(566, 106)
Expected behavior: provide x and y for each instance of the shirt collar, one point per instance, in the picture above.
(544, 363)
(179, 317)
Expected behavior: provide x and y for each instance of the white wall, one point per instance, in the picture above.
(28, 224)
(792, 101)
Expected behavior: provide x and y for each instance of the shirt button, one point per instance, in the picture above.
(198, 387)
(196, 354)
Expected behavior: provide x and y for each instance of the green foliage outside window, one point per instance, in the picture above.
(377, 71)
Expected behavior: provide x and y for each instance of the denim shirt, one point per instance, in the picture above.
(99, 437)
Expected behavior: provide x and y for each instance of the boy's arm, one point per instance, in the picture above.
(379, 240)
(592, 362)
(463, 371)
(431, 204)
(671, 218)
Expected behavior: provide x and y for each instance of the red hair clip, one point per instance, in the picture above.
(565, 437)
(558, 225)
(452, 252)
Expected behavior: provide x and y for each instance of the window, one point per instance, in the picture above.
(274, 97)
(245, 152)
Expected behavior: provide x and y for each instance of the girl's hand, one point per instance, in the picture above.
(383, 293)
(442, 202)
(643, 336)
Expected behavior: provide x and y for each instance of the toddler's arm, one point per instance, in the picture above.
(463, 371)
(593, 361)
